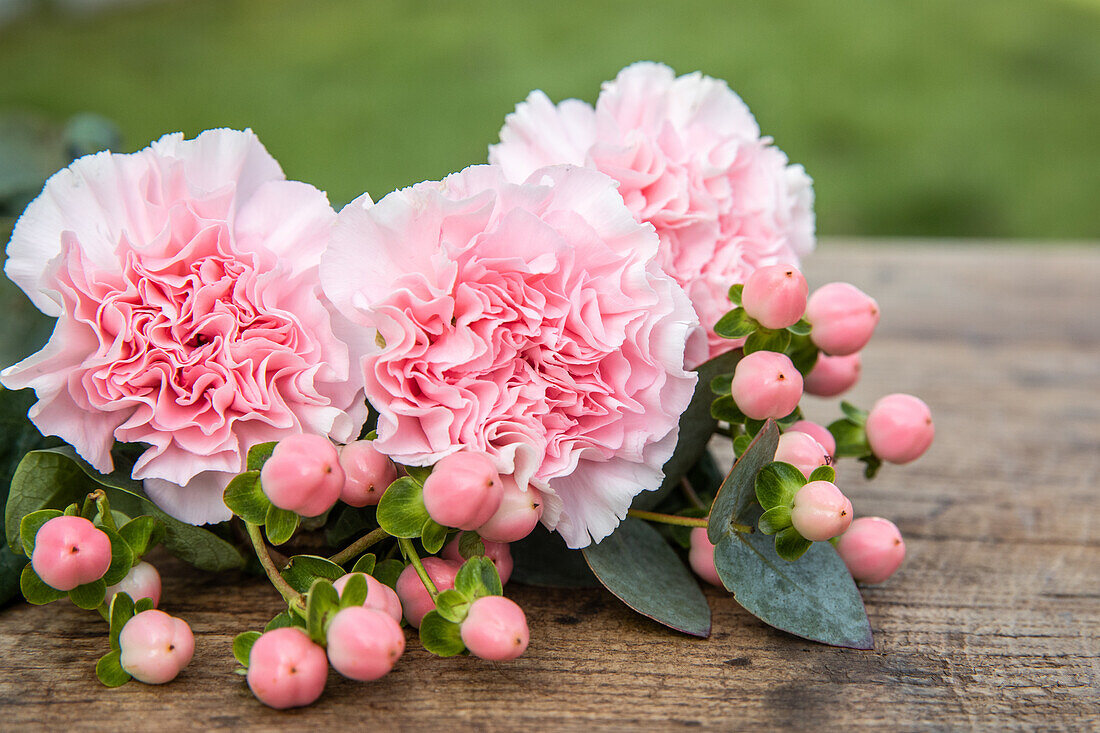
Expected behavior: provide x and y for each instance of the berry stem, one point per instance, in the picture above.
(288, 593)
(356, 548)
(683, 521)
(410, 552)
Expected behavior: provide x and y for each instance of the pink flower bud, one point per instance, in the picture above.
(286, 669)
(817, 432)
(143, 581)
(820, 512)
(701, 557)
(517, 515)
(498, 552)
(367, 473)
(801, 451)
(833, 375)
(766, 384)
(414, 596)
(495, 629)
(872, 549)
(775, 296)
(464, 490)
(843, 318)
(303, 475)
(379, 595)
(364, 643)
(70, 551)
(155, 646)
(899, 428)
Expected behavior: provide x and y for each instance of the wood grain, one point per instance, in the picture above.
(993, 622)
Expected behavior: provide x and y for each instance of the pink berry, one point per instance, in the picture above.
(775, 296)
(380, 596)
(899, 428)
(872, 549)
(364, 643)
(155, 646)
(286, 669)
(495, 629)
(143, 581)
(303, 475)
(833, 375)
(766, 384)
(414, 596)
(820, 512)
(498, 552)
(701, 557)
(367, 473)
(464, 490)
(70, 551)
(517, 515)
(801, 451)
(843, 318)
(817, 432)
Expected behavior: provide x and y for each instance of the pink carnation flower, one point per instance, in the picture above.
(689, 160)
(528, 321)
(184, 279)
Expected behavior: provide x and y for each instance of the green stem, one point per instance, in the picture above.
(410, 552)
(689, 492)
(683, 521)
(356, 548)
(288, 593)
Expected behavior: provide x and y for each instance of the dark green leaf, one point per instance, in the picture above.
(478, 577)
(139, 533)
(814, 598)
(433, 536)
(283, 620)
(322, 603)
(258, 455)
(401, 511)
(823, 473)
(738, 490)
(302, 571)
(440, 636)
(851, 439)
(245, 498)
(741, 444)
(726, 410)
(872, 464)
(89, 596)
(722, 384)
(803, 353)
(35, 590)
(11, 565)
(790, 419)
(388, 571)
(242, 645)
(122, 610)
(777, 483)
(470, 545)
(790, 545)
(735, 293)
(142, 605)
(43, 479)
(542, 559)
(365, 564)
(28, 528)
(736, 324)
(776, 519)
(452, 605)
(280, 525)
(355, 591)
(853, 413)
(638, 566)
(348, 522)
(122, 558)
(109, 669)
(801, 328)
(766, 339)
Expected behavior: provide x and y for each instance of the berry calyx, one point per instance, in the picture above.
(155, 646)
(498, 552)
(367, 473)
(801, 451)
(380, 596)
(899, 428)
(818, 432)
(833, 375)
(303, 475)
(143, 581)
(872, 548)
(464, 490)
(820, 512)
(415, 599)
(286, 669)
(701, 557)
(775, 296)
(495, 628)
(70, 551)
(517, 516)
(843, 318)
(766, 384)
(364, 643)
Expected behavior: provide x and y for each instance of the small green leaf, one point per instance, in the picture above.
(470, 545)
(790, 545)
(322, 603)
(245, 497)
(29, 526)
(109, 669)
(851, 439)
(89, 596)
(122, 610)
(776, 519)
(122, 558)
(741, 444)
(766, 339)
(777, 483)
(355, 591)
(280, 525)
(802, 328)
(365, 564)
(823, 473)
(873, 464)
(302, 571)
(258, 455)
(401, 511)
(738, 490)
(735, 293)
(478, 577)
(283, 620)
(440, 636)
(452, 605)
(853, 413)
(35, 589)
(242, 646)
(721, 384)
(803, 353)
(142, 605)
(735, 324)
(140, 533)
(433, 536)
(418, 474)
(725, 409)
(790, 418)
(388, 571)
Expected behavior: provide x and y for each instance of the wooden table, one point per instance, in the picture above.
(993, 621)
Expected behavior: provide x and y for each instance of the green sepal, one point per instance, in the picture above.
(302, 571)
(109, 669)
(372, 435)
(29, 526)
(388, 571)
(280, 524)
(355, 591)
(790, 545)
(35, 589)
(440, 636)
(142, 533)
(365, 564)
(452, 605)
(776, 519)
(853, 413)
(73, 510)
(322, 603)
(725, 409)
(824, 473)
(142, 605)
(736, 324)
(245, 497)
(801, 328)
(851, 439)
(122, 559)
(122, 610)
(735, 293)
(258, 455)
(722, 384)
(433, 536)
(766, 339)
(478, 577)
(777, 483)
(89, 596)
(401, 511)
(470, 545)
(242, 646)
(418, 474)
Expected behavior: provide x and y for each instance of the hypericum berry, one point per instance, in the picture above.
(801, 451)
(303, 475)
(766, 384)
(517, 515)
(464, 490)
(833, 375)
(701, 557)
(495, 628)
(775, 296)
(414, 596)
(817, 432)
(498, 552)
(820, 512)
(899, 428)
(367, 473)
(843, 318)
(364, 643)
(70, 551)
(872, 549)
(380, 596)
(155, 646)
(286, 669)
(143, 581)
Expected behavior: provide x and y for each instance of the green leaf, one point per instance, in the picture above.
(644, 572)
(245, 497)
(347, 523)
(766, 339)
(776, 519)
(419, 474)
(365, 564)
(89, 596)
(741, 443)
(738, 490)
(478, 577)
(28, 528)
(322, 603)
(814, 598)
(280, 525)
(853, 413)
(452, 605)
(735, 293)
(122, 558)
(122, 610)
(542, 559)
(388, 571)
(823, 473)
(470, 545)
(142, 605)
(355, 591)
(43, 479)
(109, 669)
(803, 353)
(722, 384)
(736, 324)
(35, 589)
(726, 410)
(851, 439)
(242, 645)
(302, 571)
(790, 545)
(11, 566)
(433, 536)
(283, 620)
(872, 464)
(141, 533)
(801, 328)
(401, 511)
(440, 636)
(258, 455)
(777, 483)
